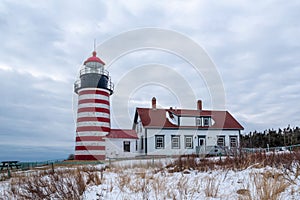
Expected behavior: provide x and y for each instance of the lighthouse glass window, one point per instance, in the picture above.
(159, 141)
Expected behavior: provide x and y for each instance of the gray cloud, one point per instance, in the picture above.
(255, 46)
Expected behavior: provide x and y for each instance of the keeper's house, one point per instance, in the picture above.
(182, 131)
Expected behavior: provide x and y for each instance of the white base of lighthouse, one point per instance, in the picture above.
(93, 123)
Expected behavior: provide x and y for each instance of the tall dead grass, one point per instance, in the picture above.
(240, 161)
(269, 186)
(211, 187)
(66, 183)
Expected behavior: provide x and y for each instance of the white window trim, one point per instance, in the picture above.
(236, 141)
(126, 143)
(198, 121)
(185, 142)
(163, 141)
(175, 137)
(223, 137)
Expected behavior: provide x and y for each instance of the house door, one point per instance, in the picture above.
(201, 144)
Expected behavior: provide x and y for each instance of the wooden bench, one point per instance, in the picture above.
(10, 165)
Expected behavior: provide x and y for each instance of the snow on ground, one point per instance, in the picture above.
(149, 179)
(186, 185)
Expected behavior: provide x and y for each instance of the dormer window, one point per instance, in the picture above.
(198, 121)
(206, 121)
(203, 121)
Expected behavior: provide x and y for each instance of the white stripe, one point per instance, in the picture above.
(94, 105)
(93, 96)
(99, 89)
(90, 152)
(91, 133)
(93, 114)
(92, 123)
(90, 143)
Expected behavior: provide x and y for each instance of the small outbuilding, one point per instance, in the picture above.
(121, 143)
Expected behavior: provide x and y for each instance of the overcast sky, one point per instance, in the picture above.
(255, 46)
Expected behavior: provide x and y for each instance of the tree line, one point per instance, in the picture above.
(274, 138)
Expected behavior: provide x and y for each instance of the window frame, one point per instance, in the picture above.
(221, 137)
(142, 142)
(126, 146)
(175, 137)
(136, 145)
(236, 141)
(206, 119)
(198, 121)
(191, 142)
(162, 142)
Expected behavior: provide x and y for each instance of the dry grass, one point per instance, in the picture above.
(240, 161)
(148, 178)
(211, 187)
(269, 186)
(67, 183)
(245, 194)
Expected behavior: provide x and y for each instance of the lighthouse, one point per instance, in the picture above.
(93, 88)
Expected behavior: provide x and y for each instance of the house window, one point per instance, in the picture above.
(159, 141)
(221, 141)
(175, 142)
(188, 141)
(142, 142)
(206, 121)
(203, 121)
(126, 146)
(198, 121)
(136, 145)
(139, 127)
(233, 141)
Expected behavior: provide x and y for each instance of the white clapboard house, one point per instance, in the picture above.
(184, 131)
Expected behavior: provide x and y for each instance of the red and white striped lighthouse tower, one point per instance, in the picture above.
(93, 115)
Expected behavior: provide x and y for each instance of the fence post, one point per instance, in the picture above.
(8, 172)
(52, 166)
(153, 161)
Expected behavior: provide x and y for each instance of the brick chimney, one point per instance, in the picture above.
(153, 103)
(199, 105)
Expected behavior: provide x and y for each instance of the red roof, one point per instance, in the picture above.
(94, 58)
(156, 118)
(122, 133)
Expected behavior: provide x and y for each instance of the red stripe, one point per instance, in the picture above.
(93, 101)
(89, 138)
(93, 109)
(93, 119)
(89, 148)
(94, 92)
(92, 128)
(89, 157)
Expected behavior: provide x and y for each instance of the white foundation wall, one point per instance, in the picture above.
(115, 149)
(209, 135)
